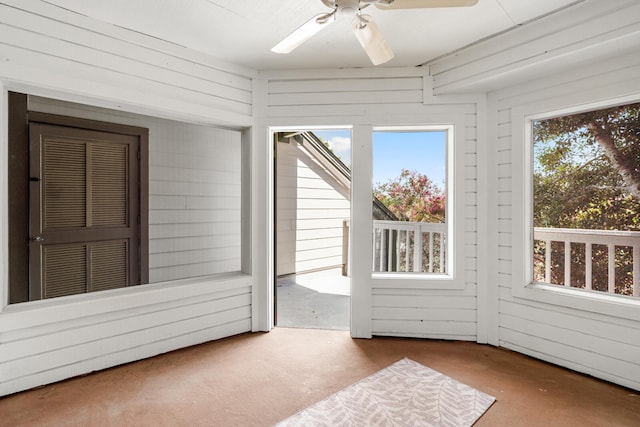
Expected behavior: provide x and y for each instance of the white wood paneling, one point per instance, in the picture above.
(80, 48)
(428, 314)
(34, 356)
(194, 229)
(572, 37)
(581, 332)
(195, 203)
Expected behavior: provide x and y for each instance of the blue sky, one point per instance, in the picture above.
(392, 151)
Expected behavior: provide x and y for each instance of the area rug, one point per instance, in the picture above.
(403, 394)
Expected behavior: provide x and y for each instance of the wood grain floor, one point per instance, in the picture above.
(259, 379)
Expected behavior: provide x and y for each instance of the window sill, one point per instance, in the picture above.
(580, 299)
(416, 281)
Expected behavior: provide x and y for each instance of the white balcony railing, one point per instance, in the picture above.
(591, 259)
(395, 243)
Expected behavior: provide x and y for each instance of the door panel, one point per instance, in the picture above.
(109, 267)
(84, 210)
(64, 269)
(64, 180)
(109, 195)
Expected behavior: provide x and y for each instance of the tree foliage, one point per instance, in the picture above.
(587, 170)
(412, 197)
(587, 176)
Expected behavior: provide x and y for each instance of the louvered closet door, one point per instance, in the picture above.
(84, 208)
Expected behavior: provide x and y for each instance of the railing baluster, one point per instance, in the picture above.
(611, 239)
(383, 248)
(390, 237)
(410, 250)
(430, 252)
(612, 268)
(636, 271)
(398, 250)
(390, 245)
(567, 263)
(547, 261)
(417, 250)
(588, 266)
(406, 251)
(442, 243)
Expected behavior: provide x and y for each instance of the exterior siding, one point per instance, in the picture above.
(312, 205)
(195, 205)
(195, 174)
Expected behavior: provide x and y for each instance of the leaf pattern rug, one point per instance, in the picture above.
(403, 394)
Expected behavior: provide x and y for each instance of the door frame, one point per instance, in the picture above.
(273, 206)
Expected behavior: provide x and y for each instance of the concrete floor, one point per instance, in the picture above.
(259, 379)
(318, 300)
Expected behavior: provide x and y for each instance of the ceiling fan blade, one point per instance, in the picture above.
(419, 4)
(303, 33)
(371, 39)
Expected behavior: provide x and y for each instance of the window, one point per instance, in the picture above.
(143, 200)
(586, 200)
(411, 225)
(75, 205)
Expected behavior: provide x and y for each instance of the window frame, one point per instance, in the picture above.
(523, 286)
(453, 279)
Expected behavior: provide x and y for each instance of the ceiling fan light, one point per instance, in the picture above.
(371, 39)
(303, 33)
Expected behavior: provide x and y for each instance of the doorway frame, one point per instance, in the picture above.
(272, 209)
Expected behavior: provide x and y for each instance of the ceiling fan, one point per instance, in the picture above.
(365, 30)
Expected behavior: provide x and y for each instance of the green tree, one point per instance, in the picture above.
(412, 197)
(587, 170)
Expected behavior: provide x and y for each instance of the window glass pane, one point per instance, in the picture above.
(409, 205)
(586, 200)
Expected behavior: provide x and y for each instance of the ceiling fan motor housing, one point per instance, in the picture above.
(348, 7)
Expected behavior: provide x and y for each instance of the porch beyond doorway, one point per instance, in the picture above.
(317, 300)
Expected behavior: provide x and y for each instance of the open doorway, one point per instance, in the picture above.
(312, 187)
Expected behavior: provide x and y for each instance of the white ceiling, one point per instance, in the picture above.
(243, 31)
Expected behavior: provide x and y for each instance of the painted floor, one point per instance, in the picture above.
(318, 300)
(256, 380)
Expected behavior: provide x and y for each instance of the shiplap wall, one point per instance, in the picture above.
(311, 206)
(60, 50)
(51, 52)
(441, 313)
(589, 338)
(392, 97)
(587, 29)
(585, 54)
